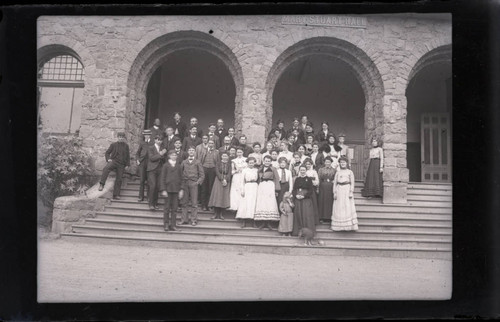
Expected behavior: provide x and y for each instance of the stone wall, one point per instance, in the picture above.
(120, 54)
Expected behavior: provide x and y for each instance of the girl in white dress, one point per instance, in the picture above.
(237, 165)
(344, 215)
(266, 210)
(246, 210)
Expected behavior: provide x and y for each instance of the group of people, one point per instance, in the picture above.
(299, 179)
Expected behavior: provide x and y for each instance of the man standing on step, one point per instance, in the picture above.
(156, 158)
(192, 176)
(172, 189)
(208, 158)
(142, 161)
(118, 159)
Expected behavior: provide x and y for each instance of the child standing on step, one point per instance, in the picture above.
(344, 215)
(286, 215)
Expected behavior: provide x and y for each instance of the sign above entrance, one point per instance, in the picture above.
(329, 21)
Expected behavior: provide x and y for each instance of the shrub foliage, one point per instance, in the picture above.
(63, 168)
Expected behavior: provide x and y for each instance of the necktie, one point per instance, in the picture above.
(283, 176)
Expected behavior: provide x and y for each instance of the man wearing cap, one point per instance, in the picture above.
(117, 158)
(142, 161)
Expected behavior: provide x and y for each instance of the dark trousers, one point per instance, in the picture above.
(143, 176)
(170, 210)
(153, 183)
(190, 194)
(119, 169)
(206, 187)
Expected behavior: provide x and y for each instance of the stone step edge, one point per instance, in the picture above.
(363, 209)
(439, 204)
(323, 230)
(392, 248)
(191, 233)
(231, 218)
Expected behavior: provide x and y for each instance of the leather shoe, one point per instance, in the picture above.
(194, 223)
(183, 223)
(174, 229)
(221, 217)
(116, 197)
(101, 186)
(140, 199)
(156, 207)
(151, 208)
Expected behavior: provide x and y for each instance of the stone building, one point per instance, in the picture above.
(387, 75)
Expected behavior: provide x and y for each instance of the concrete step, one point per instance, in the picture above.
(233, 227)
(413, 197)
(270, 238)
(358, 200)
(171, 240)
(363, 217)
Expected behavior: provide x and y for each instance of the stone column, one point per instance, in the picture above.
(396, 173)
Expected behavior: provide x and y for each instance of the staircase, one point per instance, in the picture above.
(422, 228)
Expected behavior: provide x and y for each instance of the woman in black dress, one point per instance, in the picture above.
(303, 214)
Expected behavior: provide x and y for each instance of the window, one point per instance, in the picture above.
(60, 92)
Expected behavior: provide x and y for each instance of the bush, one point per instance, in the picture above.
(63, 169)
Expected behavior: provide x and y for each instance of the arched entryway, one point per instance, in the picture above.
(195, 83)
(329, 79)
(429, 108)
(161, 52)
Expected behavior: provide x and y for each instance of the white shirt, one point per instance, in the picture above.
(172, 162)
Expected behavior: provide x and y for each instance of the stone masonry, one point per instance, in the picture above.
(120, 53)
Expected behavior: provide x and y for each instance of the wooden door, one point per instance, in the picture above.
(436, 147)
(357, 157)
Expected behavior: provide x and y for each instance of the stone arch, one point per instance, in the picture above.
(364, 69)
(436, 55)
(47, 46)
(154, 54)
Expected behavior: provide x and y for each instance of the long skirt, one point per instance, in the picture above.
(314, 200)
(266, 208)
(247, 203)
(325, 200)
(220, 195)
(303, 216)
(374, 186)
(286, 223)
(236, 188)
(284, 188)
(344, 215)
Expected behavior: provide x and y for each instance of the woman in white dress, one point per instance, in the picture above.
(266, 210)
(344, 215)
(237, 165)
(246, 210)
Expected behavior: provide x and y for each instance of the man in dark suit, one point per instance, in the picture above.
(295, 125)
(169, 138)
(156, 129)
(212, 135)
(208, 158)
(171, 186)
(180, 128)
(118, 159)
(142, 161)
(156, 158)
(192, 139)
(225, 146)
(221, 132)
(292, 143)
(231, 133)
(181, 154)
(243, 144)
(194, 122)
